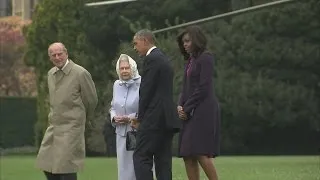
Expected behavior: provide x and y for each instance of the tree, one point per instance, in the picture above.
(260, 62)
(93, 37)
(16, 78)
(267, 45)
(57, 21)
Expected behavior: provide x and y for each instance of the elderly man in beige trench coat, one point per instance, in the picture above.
(73, 99)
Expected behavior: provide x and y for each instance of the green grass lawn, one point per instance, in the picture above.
(229, 168)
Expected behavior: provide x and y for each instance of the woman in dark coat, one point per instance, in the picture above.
(198, 106)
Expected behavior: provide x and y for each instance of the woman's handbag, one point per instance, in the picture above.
(131, 140)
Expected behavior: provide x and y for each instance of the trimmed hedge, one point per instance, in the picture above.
(17, 118)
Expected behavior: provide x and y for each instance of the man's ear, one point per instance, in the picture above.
(145, 41)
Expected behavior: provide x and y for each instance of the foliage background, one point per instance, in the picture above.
(267, 64)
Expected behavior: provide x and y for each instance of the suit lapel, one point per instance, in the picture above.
(145, 59)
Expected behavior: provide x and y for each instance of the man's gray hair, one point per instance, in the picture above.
(60, 44)
(147, 34)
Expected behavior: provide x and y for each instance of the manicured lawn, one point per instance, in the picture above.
(229, 168)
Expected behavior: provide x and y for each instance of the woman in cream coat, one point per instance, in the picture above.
(124, 107)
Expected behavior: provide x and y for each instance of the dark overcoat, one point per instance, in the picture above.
(200, 133)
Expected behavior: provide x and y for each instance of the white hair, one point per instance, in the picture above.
(132, 64)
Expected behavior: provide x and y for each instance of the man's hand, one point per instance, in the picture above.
(182, 114)
(134, 123)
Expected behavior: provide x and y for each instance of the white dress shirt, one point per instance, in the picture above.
(64, 65)
(149, 51)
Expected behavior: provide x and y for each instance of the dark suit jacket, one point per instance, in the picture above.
(157, 110)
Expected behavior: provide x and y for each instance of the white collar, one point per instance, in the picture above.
(64, 65)
(149, 51)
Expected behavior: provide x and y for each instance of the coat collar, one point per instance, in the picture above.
(66, 70)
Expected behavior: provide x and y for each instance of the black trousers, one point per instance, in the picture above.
(70, 176)
(157, 145)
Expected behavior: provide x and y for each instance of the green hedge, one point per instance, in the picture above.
(17, 118)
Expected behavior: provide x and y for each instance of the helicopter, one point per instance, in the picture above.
(202, 20)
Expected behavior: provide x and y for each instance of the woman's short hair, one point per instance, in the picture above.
(132, 64)
(198, 39)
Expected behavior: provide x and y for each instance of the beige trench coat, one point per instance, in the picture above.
(73, 99)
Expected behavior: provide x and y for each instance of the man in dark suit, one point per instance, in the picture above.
(157, 116)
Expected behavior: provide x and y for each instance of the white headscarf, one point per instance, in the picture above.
(133, 66)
